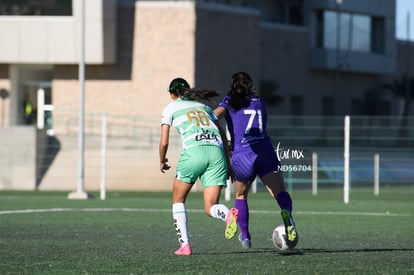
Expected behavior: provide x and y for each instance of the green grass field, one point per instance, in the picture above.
(132, 233)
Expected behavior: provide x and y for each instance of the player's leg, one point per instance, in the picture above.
(275, 184)
(241, 204)
(212, 207)
(243, 166)
(180, 192)
(213, 180)
(220, 211)
(268, 167)
(188, 168)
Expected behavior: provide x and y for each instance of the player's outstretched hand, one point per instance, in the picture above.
(164, 165)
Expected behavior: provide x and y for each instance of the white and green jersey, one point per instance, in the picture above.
(193, 121)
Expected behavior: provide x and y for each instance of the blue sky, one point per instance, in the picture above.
(403, 7)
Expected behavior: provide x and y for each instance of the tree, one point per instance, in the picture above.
(268, 91)
(403, 88)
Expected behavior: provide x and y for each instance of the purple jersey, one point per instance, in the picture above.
(253, 152)
(247, 126)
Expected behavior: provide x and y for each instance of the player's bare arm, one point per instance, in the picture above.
(220, 112)
(163, 147)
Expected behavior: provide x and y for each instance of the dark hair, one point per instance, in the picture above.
(241, 89)
(179, 87)
(176, 84)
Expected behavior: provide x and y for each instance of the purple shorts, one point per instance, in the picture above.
(261, 159)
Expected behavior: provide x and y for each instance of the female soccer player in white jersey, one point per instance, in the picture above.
(203, 156)
(253, 154)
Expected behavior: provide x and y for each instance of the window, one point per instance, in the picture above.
(377, 35)
(295, 14)
(353, 30)
(288, 12)
(36, 7)
(319, 29)
(349, 32)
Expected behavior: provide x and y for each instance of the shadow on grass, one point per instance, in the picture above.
(292, 252)
(317, 250)
(304, 251)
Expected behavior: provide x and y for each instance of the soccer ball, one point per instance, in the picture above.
(279, 238)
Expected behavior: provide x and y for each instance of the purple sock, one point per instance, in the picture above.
(243, 217)
(284, 200)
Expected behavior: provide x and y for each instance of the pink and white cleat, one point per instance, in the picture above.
(185, 249)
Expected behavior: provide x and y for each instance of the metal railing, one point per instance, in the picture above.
(297, 140)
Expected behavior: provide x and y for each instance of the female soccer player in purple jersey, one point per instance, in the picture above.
(253, 154)
(204, 156)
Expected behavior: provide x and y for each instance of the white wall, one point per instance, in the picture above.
(56, 39)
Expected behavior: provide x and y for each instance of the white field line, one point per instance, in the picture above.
(324, 213)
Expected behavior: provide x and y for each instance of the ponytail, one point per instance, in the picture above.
(180, 87)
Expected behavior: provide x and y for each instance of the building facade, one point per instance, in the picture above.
(318, 57)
